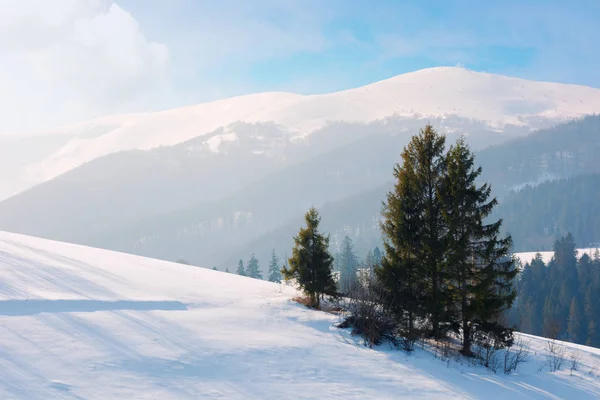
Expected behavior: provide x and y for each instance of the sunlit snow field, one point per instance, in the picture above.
(82, 323)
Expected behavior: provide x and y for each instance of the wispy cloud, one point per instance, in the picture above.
(65, 60)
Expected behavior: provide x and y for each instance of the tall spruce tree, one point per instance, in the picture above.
(274, 268)
(348, 263)
(479, 266)
(311, 264)
(240, 269)
(253, 269)
(412, 227)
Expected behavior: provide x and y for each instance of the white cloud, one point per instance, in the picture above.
(64, 60)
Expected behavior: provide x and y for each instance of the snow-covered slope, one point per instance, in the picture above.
(526, 257)
(84, 323)
(434, 92)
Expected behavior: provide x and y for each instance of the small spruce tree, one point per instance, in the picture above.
(274, 268)
(240, 269)
(253, 269)
(311, 263)
(348, 263)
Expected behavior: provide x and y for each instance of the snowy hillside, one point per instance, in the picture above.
(526, 257)
(443, 92)
(86, 323)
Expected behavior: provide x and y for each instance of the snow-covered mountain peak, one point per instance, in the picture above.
(441, 92)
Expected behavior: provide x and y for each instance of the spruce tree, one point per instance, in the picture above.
(479, 265)
(413, 231)
(377, 256)
(411, 226)
(369, 262)
(274, 268)
(253, 269)
(574, 323)
(240, 269)
(311, 263)
(348, 263)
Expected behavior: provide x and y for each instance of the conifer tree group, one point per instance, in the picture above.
(445, 267)
(560, 300)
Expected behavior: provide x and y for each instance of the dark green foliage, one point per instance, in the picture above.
(311, 264)
(444, 264)
(562, 151)
(253, 269)
(274, 269)
(536, 216)
(408, 271)
(240, 269)
(348, 265)
(412, 227)
(214, 269)
(479, 269)
(561, 300)
(574, 322)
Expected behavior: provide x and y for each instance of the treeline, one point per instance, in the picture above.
(536, 215)
(252, 268)
(560, 300)
(444, 270)
(347, 266)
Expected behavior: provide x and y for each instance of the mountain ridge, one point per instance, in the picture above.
(439, 92)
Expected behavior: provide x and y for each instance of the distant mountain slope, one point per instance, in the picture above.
(190, 201)
(265, 228)
(537, 215)
(561, 151)
(83, 323)
(121, 188)
(502, 103)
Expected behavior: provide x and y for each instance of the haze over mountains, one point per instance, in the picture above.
(502, 103)
(202, 181)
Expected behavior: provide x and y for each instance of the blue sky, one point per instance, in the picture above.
(67, 60)
(223, 48)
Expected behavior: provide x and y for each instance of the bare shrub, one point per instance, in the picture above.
(574, 361)
(555, 356)
(306, 301)
(487, 350)
(443, 350)
(367, 315)
(514, 356)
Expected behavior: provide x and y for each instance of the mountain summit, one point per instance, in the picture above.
(440, 92)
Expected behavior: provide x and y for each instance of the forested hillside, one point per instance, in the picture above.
(562, 151)
(560, 300)
(536, 216)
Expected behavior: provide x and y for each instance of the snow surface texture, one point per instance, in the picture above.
(82, 323)
(433, 92)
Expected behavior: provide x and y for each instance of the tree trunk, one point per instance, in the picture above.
(466, 350)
